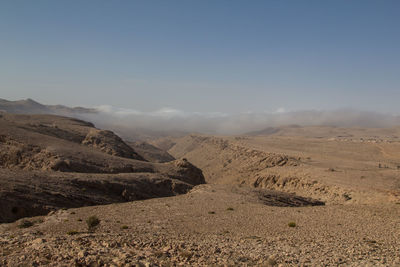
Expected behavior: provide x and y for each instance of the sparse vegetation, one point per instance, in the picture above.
(230, 209)
(124, 227)
(211, 212)
(40, 220)
(92, 222)
(186, 254)
(292, 224)
(25, 224)
(79, 220)
(159, 254)
(72, 232)
(38, 233)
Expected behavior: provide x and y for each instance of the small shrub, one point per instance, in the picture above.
(230, 208)
(25, 224)
(159, 254)
(79, 220)
(92, 222)
(73, 212)
(72, 232)
(186, 254)
(292, 224)
(38, 233)
(40, 220)
(211, 212)
(124, 227)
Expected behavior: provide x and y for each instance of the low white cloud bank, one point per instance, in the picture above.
(170, 119)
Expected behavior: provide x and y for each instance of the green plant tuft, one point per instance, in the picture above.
(72, 232)
(92, 222)
(25, 224)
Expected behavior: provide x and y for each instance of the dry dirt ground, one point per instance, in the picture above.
(294, 196)
(213, 225)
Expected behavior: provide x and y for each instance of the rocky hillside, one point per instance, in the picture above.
(150, 152)
(307, 167)
(46, 161)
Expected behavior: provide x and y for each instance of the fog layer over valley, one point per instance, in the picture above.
(135, 124)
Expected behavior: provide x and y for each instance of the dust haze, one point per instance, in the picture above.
(170, 119)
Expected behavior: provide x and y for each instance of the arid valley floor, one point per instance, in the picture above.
(287, 196)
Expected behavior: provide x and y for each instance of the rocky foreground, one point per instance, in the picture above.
(210, 226)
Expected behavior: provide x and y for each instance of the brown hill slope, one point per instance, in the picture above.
(150, 152)
(337, 171)
(34, 149)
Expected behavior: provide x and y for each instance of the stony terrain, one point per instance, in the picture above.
(293, 196)
(320, 167)
(49, 162)
(211, 226)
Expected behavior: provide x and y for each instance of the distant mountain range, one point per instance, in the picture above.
(30, 106)
(129, 131)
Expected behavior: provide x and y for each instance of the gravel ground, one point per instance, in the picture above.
(212, 225)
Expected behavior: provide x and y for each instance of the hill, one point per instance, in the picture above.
(37, 152)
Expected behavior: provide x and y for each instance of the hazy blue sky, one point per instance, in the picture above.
(207, 56)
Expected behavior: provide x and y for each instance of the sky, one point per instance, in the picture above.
(223, 56)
